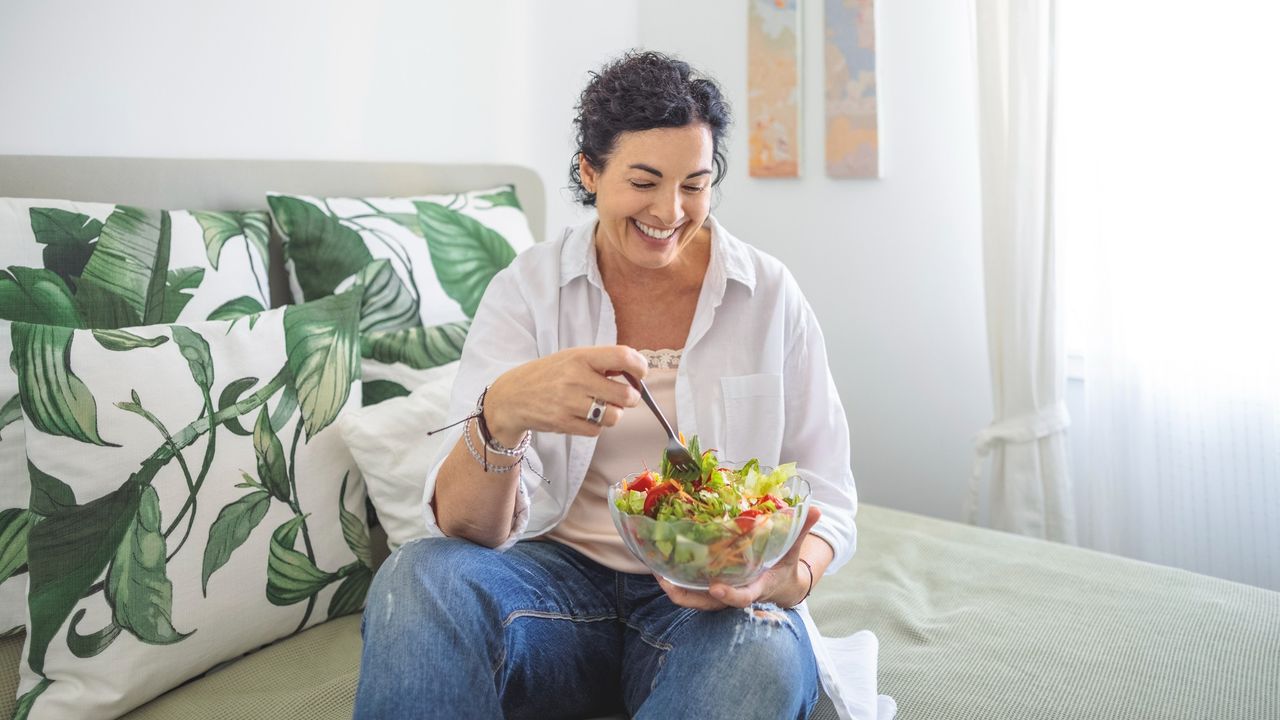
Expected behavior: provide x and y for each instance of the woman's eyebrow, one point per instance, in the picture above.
(655, 171)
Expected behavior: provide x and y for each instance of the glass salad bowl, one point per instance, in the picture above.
(693, 553)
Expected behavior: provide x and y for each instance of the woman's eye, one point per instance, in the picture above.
(641, 185)
(694, 188)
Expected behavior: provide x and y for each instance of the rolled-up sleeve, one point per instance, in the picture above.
(501, 337)
(816, 433)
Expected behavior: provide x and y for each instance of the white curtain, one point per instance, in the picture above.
(1167, 214)
(1030, 486)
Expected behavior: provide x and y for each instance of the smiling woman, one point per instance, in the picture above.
(528, 603)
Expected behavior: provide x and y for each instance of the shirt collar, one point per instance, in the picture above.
(730, 257)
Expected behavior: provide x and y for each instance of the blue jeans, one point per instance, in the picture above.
(456, 630)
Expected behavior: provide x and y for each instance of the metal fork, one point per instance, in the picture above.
(677, 454)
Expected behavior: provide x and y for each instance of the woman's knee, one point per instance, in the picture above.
(759, 638)
(421, 571)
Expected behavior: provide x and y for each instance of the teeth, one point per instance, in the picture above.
(653, 232)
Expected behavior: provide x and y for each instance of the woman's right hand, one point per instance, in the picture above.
(554, 393)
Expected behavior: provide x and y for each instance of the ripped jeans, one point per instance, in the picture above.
(455, 630)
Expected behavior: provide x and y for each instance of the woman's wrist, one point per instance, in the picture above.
(496, 419)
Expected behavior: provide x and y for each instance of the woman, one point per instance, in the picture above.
(528, 605)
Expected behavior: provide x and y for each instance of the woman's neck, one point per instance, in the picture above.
(684, 274)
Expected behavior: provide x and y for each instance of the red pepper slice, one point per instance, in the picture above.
(747, 519)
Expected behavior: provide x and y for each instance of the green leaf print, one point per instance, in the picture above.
(14, 525)
(350, 595)
(409, 221)
(121, 340)
(376, 391)
(55, 226)
(466, 254)
(316, 240)
(10, 413)
(503, 198)
(272, 472)
(176, 295)
(49, 495)
(324, 356)
(233, 526)
(291, 576)
(68, 238)
(386, 304)
(55, 401)
(219, 227)
(419, 348)
(238, 308)
(86, 646)
(196, 350)
(36, 296)
(139, 592)
(23, 710)
(72, 548)
(353, 530)
(124, 281)
(230, 395)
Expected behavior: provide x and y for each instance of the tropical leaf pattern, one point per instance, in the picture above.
(421, 264)
(465, 253)
(120, 549)
(103, 267)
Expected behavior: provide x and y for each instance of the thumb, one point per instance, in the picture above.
(809, 521)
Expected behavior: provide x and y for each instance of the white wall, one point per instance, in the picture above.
(481, 80)
(893, 267)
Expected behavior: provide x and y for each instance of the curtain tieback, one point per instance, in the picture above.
(1047, 421)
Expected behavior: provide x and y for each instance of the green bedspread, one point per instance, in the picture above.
(972, 624)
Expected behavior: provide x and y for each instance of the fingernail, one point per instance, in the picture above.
(717, 593)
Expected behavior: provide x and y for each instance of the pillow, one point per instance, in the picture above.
(94, 265)
(193, 501)
(389, 442)
(423, 263)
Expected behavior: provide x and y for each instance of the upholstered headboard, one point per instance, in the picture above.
(243, 184)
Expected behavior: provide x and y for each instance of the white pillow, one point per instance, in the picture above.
(389, 442)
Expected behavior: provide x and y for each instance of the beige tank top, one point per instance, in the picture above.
(635, 442)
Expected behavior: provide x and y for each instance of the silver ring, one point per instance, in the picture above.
(595, 415)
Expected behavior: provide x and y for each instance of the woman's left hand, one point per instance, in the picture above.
(784, 584)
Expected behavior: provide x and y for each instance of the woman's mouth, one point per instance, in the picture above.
(654, 235)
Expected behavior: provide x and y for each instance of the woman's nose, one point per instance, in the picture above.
(666, 207)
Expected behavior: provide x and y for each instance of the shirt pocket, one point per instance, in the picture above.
(753, 417)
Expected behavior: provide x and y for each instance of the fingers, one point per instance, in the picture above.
(607, 359)
(809, 521)
(689, 598)
(578, 425)
(738, 597)
(614, 392)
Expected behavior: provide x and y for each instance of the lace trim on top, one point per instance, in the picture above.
(664, 359)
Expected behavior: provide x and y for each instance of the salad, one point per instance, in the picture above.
(717, 522)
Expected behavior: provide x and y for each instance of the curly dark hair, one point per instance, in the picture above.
(644, 91)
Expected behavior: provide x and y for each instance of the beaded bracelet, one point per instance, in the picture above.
(484, 459)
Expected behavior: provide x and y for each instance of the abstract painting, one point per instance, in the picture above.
(773, 87)
(849, 51)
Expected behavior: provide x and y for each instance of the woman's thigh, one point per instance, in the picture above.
(471, 632)
(752, 663)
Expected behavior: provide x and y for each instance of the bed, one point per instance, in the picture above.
(972, 623)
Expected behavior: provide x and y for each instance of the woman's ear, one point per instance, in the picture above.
(588, 173)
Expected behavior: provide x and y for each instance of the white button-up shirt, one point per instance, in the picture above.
(753, 380)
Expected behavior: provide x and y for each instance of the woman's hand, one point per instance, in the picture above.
(554, 393)
(785, 584)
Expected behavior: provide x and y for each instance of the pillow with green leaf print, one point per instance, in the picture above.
(96, 265)
(423, 263)
(194, 498)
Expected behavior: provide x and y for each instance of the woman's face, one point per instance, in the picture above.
(653, 193)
